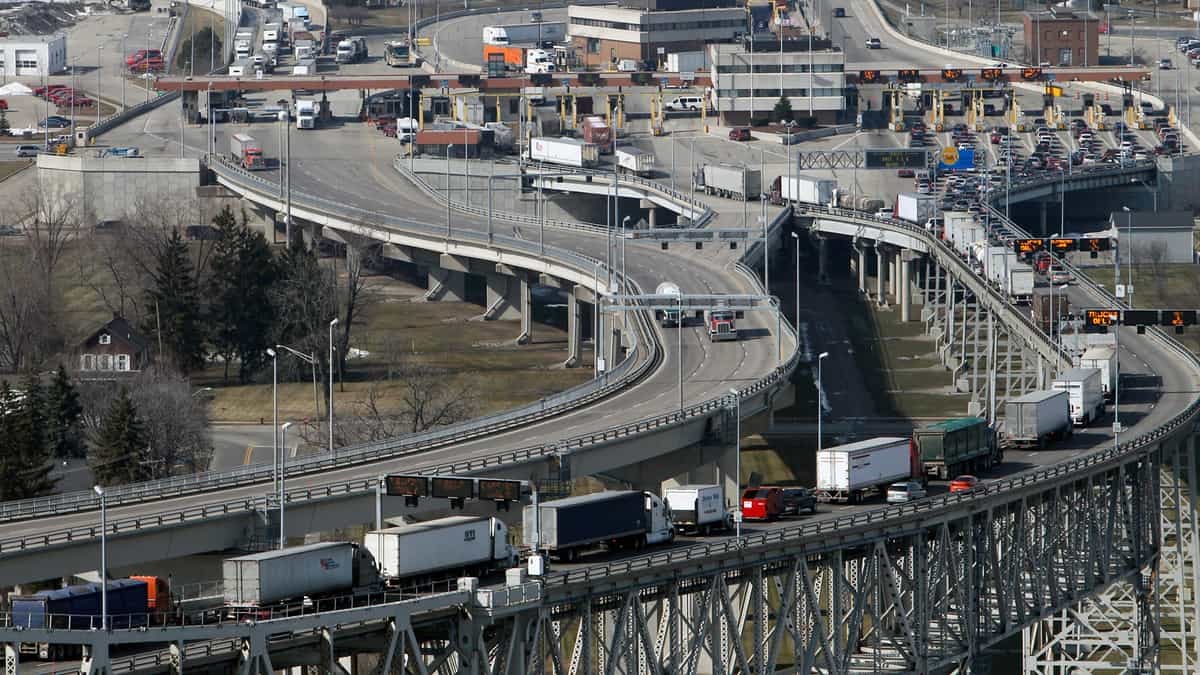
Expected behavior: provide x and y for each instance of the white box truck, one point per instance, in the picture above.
(808, 190)
(471, 545)
(1085, 392)
(565, 151)
(1103, 359)
(635, 161)
(698, 508)
(1037, 418)
(306, 114)
(848, 472)
(262, 579)
(916, 208)
(1021, 278)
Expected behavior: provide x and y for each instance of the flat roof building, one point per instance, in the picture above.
(1061, 38)
(746, 84)
(605, 34)
(33, 55)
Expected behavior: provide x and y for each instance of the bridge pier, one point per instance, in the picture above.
(822, 260)
(880, 271)
(574, 327)
(503, 298)
(446, 284)
(95, 658)
(526, 307)
(905, 287)
(862, 266)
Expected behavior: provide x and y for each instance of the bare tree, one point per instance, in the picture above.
(22, 313)
(356, 298)
(1154, 256)
(113, 272)
(176, 426)
(54, 221)
(430, 398)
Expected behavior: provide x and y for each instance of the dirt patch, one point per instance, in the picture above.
(40, 18)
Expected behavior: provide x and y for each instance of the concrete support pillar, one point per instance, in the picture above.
(862, 268)
(652, 217)
(95, 659)
(526, 308)
(446, 284)
(311, 233)
(822, 261)
(1042, 216)
(880, 272)
(905, 288)
(503, 298)
(616, 353)
(574, 328)
(893, 276)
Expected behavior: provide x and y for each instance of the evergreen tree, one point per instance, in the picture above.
(120, 446)
(64, 418)
(4, 126)
(783, 109)
(242, 315)
(10, 479)
(177, 310)
(33, 463)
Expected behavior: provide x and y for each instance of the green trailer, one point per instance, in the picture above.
(957, 446)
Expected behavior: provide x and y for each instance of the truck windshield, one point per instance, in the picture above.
(399, 51)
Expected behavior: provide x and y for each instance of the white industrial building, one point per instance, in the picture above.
(1154, 236)
(605, 34)
(746, 84)
(33, 55)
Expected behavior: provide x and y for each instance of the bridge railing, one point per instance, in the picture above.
(408, 446)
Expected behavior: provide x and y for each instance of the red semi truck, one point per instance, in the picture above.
(598, 133)
(247, 152)
(722, 324)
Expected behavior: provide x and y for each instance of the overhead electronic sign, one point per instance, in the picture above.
(407, 486)
(1140, 317)
(1178, 317)
(1095, 244)
(868, 76)
(1031, 74)
(499, 490)
(1062, 244)
(1098, 320)
(991, 74)
(951, 74)
(908, 75)
(452, 488)
(1028, 245)
(904, 158)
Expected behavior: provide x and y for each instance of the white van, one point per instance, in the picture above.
(627, 66)
(686, 103)
(239, 67)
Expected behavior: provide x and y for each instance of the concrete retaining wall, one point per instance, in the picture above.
(112, 188)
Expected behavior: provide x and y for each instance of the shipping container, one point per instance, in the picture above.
(512, 57)
(1037, 418)
(267, 578)
(467, 544)
(848, 472)
(698, 508)
(79, 608)
(566, 527)
(916, 208)
(956, 446)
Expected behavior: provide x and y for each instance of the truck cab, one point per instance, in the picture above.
(722, 325)
(306, 114)
(660, 523)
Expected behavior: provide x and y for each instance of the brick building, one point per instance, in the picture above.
(116, 348)
(1061, 38)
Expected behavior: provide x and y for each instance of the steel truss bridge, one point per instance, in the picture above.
(1093, 559)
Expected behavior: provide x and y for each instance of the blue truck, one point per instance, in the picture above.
(78, 608)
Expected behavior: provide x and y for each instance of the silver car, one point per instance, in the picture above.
(899, 493)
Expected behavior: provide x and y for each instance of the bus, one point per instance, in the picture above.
(396, 53)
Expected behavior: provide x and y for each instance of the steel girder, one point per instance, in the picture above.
(924, 596)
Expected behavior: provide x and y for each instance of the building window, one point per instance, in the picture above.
(1064, 56)
(123, 362)
(105, 339)
(593, 45)
(88, 362)
(27, 63)
(106, 362)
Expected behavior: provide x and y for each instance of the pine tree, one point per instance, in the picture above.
(120, 446)
(174, 298)
(241, 314)
(9, 448)
(33, 463)
(4, 126)
(64, 418)
(783, 109)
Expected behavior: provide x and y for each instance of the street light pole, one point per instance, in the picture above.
(820, 408)
(737, 450)
(103, 557)
(796, 262)
(275, 411)
(99, 69)
(449, 147)
(282, 481)
(123, 78)
(332, 355)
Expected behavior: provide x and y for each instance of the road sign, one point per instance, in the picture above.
(424, 42)
(950, 155)
(902, 158)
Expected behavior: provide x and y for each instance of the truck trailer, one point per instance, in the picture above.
(468, 545)
(616, 519)
(532, 34)
(956, 446)
(698, 508)
(1085, 394)
(1037, 418)
(247, 152)
(1103, 359)
(263, 579)
(916, 208)
(849, 472)
(597, 132)
(635, 162)
(564, 151)
(804, 190)
(78, 608)
(730, 181)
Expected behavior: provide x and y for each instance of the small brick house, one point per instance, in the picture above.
(116, 347)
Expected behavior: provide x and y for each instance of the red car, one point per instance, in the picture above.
(3, 104)
(762, 503)
(963, 483)
(142, 55)
(740, 134)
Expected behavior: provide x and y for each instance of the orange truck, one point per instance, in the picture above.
(513, 57)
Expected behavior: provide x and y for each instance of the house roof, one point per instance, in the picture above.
(120, 327)
(1152, 219)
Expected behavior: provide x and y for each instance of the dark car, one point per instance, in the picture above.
(797, 499)
(839, 12)
(739, 134)
(55, 122)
